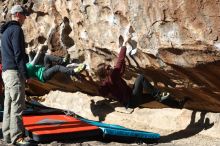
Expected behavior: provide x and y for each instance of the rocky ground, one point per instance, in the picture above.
(183, 126)
(196, 140)
(176, 140)
(168, 138)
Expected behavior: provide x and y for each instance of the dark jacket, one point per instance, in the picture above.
(114, 84)
(13, 48)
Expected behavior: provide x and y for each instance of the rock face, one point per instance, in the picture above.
(177, 42)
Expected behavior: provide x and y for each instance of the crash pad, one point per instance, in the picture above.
(57, 127)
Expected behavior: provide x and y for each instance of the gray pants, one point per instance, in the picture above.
(14, 103)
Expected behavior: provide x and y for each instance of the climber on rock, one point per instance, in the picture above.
(113, 85)
(45, 72)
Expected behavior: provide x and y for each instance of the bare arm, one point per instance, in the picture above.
(37, 56)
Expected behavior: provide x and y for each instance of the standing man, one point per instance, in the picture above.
(14, 76)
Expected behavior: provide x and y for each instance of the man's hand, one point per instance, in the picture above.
(28, 50)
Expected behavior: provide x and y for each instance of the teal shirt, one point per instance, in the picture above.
(35, 71)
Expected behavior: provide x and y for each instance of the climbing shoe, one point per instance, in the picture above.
(161, 96)
(22, 142)
(80, 68)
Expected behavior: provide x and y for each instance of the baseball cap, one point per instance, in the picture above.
(19, 9)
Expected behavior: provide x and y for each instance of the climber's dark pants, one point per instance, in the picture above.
(50, 72)
(138, 97)
(51, 69)
(139, 86)
(50, 59)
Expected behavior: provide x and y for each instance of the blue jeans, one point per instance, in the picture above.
(51, 70)
(50, 59)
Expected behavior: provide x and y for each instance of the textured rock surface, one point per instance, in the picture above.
(176, 42)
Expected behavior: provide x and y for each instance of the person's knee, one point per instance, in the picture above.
(57, 67)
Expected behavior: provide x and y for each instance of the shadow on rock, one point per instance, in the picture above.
(100, 109)
(192, 129)
(170, 102)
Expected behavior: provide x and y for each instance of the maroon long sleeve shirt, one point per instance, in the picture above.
(114, 84)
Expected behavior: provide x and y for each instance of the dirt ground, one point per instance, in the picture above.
(168, 138)
(196, 140)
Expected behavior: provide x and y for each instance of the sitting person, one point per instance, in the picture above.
(113, 86)
(46, 72)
